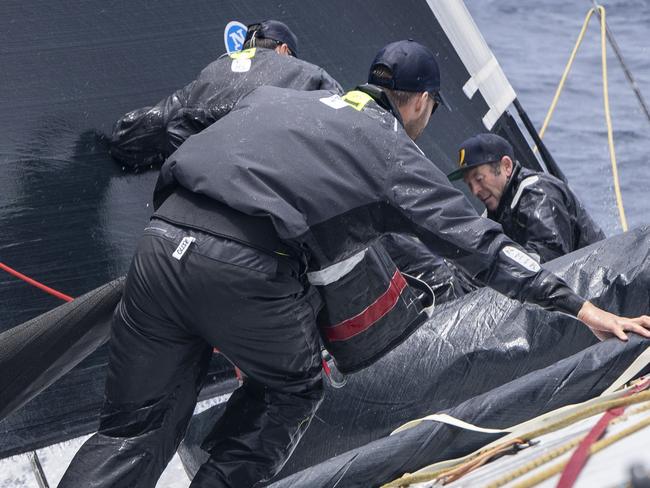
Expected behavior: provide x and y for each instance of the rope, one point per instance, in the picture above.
(608, 118)
(456, 473)
(34, 460)
(411, 478)
(460, 471)
(68, 298)
(600, 10)
(449, 475)
(547, 457)
(567, 69)
(626, 70)
(35, 283)
(597, 447)
(581, 454)
(551, 455)
(554, 453)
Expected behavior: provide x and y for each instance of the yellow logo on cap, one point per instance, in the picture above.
(461, 158)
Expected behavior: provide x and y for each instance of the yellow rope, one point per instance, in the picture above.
(608, 118)
(560, 86)
(556, 452)
(596, 447)
(412, 478)
(536, 463)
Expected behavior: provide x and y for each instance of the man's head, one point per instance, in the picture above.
(409, 73)
(272, 34)
(486, 162)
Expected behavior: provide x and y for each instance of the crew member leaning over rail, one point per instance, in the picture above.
(536, 210)
(290, 188)
(147, 136)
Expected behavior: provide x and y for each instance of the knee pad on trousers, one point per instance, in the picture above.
(132, 420)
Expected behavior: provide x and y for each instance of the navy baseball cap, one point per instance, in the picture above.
(275, 30)
(481, 149)
(413, 66)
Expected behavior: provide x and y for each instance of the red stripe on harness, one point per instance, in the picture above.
(364, 320)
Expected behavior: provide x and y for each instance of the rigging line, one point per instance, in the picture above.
(35, 283)
(565, 74)
(34, 460)
(544, 428)
(597, 447)
(37, 468)
(608, 119)
(551, 166)
(580, 455)
(550, 454)
(579, 440)
(600, 10)
(626, 70)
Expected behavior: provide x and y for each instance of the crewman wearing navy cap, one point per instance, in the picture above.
(409, 75)
(536, 210)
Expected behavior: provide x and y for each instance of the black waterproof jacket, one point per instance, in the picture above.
(334, 173)
(149, 135)
(414, 258)
(542, 214)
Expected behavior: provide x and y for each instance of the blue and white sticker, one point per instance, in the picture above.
(234, 35)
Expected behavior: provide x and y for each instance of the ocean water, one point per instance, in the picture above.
(532, 41)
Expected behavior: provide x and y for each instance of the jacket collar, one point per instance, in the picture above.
(381, 98)
(508, 192)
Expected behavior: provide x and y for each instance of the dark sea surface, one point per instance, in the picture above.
(533, 41)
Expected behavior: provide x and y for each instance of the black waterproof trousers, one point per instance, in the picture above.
(256, 310)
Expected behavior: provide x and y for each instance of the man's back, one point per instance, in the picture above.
(149, 135)
(303, 158)
(542, 214)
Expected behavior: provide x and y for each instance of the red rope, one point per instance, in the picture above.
(581, 454)
(35, 283)
(67, 298)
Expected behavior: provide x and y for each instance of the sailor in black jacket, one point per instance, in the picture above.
(288, 189)
(149, 135)
(536, 210)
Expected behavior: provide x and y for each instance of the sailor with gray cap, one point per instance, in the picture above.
(535, 209)
(250, 218)
(146, 136)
